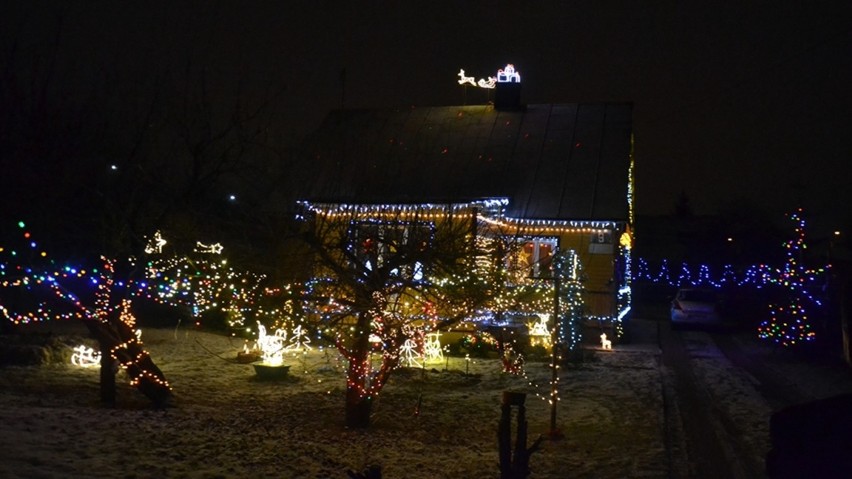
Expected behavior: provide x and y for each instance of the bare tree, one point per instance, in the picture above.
(97, 172)
(95, 297)
(382, 275)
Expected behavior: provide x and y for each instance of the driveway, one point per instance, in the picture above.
(720, 389)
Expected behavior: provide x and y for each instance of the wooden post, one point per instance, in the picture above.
(845, 330)
(514, 464)
(554, 432)
(107, 376)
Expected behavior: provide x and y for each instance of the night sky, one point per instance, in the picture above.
(748, 103)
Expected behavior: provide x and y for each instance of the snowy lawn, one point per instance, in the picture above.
(226, 423)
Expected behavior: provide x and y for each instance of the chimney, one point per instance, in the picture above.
(508, 89)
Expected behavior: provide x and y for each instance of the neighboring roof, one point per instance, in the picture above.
(567, 161)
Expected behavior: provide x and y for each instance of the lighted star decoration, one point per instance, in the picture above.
(215, 248)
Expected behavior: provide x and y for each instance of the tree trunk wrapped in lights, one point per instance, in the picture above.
(114, 326)
(362, 385)
(121, 347)
(382, 277)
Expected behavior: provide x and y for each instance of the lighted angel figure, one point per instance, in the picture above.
(539, 333)
(155, 244)
(410, 353)
(432, 351)
(540, 328)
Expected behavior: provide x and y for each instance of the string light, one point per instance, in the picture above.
(207, 284)
(215, 248)
(788, 323)
(99, 287)
(759, 275)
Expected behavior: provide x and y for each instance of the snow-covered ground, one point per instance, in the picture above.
(226, 423)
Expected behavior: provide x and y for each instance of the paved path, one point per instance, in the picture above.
(702, 438)
(710, 445)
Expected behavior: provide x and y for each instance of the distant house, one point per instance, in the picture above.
(557, 176)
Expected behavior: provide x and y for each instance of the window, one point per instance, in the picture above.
(601, 242)
(375, 244)
(534, 258)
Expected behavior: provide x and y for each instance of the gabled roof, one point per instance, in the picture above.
(561, 161)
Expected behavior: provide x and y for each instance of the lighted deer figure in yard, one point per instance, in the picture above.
(465, 79)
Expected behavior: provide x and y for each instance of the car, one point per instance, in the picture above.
(696, 307)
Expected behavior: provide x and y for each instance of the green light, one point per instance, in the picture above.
(21, 224)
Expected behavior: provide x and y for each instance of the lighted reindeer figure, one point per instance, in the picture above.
(271, 345)
(465, 79)
(605, 343)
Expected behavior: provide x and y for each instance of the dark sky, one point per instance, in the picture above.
(734, 101)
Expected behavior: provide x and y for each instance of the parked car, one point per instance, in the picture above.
(696, 306)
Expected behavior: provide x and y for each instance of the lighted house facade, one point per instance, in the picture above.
(557, 178)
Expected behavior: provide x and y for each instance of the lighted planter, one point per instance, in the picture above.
(246, 357)
(271, 372)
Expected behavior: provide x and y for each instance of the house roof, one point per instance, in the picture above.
(552, 161)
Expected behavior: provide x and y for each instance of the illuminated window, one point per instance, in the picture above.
(377, 244)
(534, 258)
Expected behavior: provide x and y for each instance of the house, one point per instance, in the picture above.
(558, 177)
